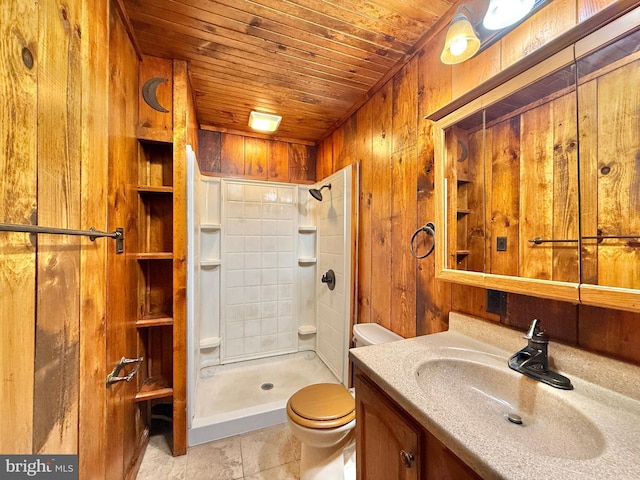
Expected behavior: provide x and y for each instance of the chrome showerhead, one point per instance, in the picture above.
(317, 193)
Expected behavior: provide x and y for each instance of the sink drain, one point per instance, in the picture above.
(266, 386)
(513, 418)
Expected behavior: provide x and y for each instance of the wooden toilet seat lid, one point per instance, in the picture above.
(323, 402)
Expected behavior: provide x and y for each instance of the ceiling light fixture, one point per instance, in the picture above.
(461, 42)
(502, 13)
(264, 122)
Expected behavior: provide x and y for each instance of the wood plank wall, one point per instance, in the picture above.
(54, 82)
(389, 139)
(231, 155)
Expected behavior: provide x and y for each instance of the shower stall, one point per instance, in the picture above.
(261, 322)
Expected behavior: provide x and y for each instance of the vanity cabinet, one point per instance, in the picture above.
(536, 179)
(391, 444)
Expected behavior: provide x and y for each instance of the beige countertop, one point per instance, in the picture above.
(592, 431)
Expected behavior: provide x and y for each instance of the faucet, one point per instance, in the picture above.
(533, 360)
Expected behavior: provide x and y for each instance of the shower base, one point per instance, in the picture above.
(246, 396)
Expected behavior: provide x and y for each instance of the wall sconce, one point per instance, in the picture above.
(461, 42)
(467, 36)
(264, 122)
(503, 13)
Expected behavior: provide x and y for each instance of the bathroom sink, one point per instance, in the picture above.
(488, 397)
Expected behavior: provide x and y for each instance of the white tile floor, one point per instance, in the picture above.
(268, 454)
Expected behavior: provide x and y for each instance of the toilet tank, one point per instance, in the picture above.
(372, 334)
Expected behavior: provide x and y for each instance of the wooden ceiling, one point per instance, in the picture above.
(310, 61)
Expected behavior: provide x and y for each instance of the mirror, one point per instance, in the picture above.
(609, 109)
(538, 180)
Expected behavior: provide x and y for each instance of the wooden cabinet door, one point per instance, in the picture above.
(383, 433)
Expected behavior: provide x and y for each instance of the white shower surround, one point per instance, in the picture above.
(256, 258)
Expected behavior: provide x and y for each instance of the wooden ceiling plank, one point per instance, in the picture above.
(156, 17)
(182, 47)
(258, 17)
(256, 50)
(299, 17)
(245, 24)
(433, 9)
(392, 26)
(309, 90)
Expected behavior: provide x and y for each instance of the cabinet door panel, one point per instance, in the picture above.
(383, 433)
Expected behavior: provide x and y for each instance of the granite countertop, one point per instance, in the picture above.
(592, 431)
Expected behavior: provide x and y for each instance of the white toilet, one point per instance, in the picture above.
(322, 417)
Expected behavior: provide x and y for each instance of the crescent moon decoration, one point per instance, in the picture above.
(464, 151)
(149, 93)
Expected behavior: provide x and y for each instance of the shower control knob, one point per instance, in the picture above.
(330, 279)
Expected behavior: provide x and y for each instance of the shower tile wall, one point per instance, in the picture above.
(259, 228)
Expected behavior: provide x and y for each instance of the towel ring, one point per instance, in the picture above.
(430, 229)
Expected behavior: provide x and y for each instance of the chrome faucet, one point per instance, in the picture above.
(533, 360)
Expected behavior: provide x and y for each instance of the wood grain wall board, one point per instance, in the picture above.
(403, 224)
(324, 165)
(433, 297)
(542, 27)
(209, 151)
(611, 332)
(381, 207)
(155, 222)
(344, 146)
(179, 362)
(467, 75)
(364, 153)
(434, 79)
(472, 301)
(92, 453)
(565, 187)
(155, 160)
(405, 108)
(232, 155)
(18, 197)
(588, 145)
(278, 162)
(59, 133)
(522, 309)
(505, 155)
(618, 186)
(149, 119)
(255, 158)
(123, 427)
(588, 8)
(302, 162)
(536, 192)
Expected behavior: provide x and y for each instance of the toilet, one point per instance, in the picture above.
(322, 417)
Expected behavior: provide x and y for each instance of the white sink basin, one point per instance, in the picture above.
(496, 397)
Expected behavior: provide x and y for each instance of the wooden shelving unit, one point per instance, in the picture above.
(155, 273)
(160, 255)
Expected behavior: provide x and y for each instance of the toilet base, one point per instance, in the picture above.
(336, 463)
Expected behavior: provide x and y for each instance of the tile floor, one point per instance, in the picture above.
(268, 454)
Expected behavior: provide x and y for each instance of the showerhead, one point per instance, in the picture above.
(317, 193)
